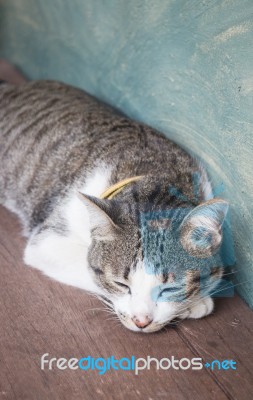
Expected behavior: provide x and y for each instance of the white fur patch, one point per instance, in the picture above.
(74, 210)
(64, 258)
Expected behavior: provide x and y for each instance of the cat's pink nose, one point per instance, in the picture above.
(142, 322)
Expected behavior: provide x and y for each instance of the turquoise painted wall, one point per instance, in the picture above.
(182, 66)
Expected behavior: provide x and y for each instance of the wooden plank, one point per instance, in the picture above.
(225, 335)
(42, 316)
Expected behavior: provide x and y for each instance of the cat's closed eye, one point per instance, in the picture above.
(123, 286)
(168, 291)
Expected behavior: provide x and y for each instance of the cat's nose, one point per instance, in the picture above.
(142, 322)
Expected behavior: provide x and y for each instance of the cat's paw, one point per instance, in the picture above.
(202, 308)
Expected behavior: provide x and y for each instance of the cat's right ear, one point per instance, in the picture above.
(100, 217)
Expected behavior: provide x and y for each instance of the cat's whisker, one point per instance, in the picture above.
(221, 289)
(234, 285)
(229, 273)
(112, 319)
(94, 309)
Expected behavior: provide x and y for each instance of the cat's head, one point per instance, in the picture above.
(154, 266)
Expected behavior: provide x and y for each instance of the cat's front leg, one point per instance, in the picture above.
(63, 258)
(202, 308)
(198, 309)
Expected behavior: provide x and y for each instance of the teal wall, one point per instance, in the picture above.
(182, 66)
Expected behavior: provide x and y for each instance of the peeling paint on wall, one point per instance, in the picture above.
(232, 31)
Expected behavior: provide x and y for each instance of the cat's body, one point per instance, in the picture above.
(56, 141)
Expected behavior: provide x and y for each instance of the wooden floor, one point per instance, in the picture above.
(41, 316)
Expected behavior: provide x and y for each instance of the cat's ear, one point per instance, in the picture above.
(100, 217)
(200, 231)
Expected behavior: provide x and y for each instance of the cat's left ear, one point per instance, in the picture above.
(100, 217)
(200, 231)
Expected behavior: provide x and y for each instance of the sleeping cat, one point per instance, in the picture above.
(109, 205)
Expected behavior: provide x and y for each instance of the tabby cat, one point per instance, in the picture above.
(109, 205)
